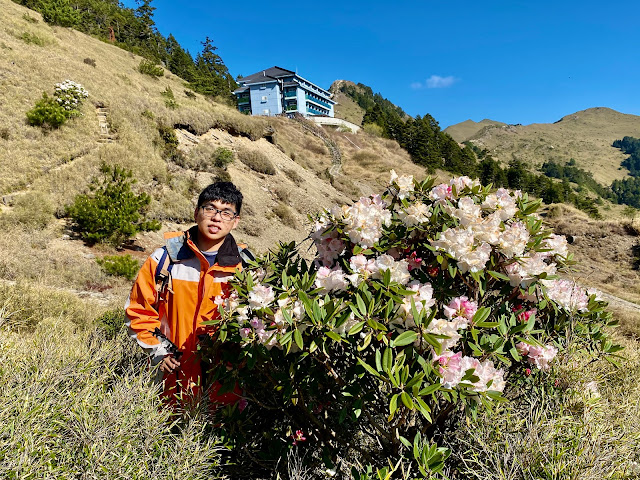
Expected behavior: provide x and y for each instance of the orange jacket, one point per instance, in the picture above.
(190, 302)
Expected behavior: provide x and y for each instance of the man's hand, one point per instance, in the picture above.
(169, 364)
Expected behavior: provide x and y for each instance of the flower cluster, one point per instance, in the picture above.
(69, 95)
(422, 297)
(540, 356)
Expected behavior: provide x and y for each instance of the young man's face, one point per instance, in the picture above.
(212, 226)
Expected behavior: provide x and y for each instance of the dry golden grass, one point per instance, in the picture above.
(603, 249)
(585, 136)
(345, 107)
(590, 430)
(464, 130)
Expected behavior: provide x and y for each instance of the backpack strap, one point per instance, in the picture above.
(246, 256)
(163, 277)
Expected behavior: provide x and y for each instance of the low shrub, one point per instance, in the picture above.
(47, 113)
(256, 161)
(147, 67)
(190, 94)
(112, 213)
(111, 322)
(69, 95)
(169, 143)
(365, 158)
(27, 305)
(33, 39)
(169, 98)
(423, 308)
(314, 145)
(32, 211)
(4, 133)
(52, 112)
(148, 114)
(293, 176)
(286, 216)
(222, 157)
(221, 175)
(90, 61)
(29, 18)
(120, 265)
(373, 129)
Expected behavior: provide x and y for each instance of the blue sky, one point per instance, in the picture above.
(511, 61)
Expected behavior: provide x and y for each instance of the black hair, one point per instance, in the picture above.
(225, 192)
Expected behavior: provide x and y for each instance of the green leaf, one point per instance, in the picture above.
(498, 275)
(406, 399)
(481, 315)
(356, 328)
(368, 368)
(387, 359)
(393, 405)
(361, 306)
(297, 337)
(334, 336)
(430, 389)
(404, 338)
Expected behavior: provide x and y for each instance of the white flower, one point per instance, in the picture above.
(513, 240)
(415, 214)
(261, 296)
(502, 203)
(557, 245)
(441, 193)
(460, 183)
(567, 294)
(422, 299)
(405, 184)
(331, 280)
(399, 270)
(460, 244)
(468, 212)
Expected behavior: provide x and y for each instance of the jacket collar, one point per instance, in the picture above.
(179, 249)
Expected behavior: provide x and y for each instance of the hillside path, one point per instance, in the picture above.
(619, 302)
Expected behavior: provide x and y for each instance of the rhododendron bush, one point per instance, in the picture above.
(421, 306)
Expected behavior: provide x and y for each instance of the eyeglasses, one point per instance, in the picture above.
(211, 211)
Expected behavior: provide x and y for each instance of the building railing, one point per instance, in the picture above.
(243, 100)
(291, 93)
(293, 106)
(316, 111)
(319, 102)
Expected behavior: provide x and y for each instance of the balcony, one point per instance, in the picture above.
(315, 111)
(291, 107)
(319, 102)
(243, 100)
(290, 93)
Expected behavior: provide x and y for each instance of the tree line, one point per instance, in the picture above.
(135, 30)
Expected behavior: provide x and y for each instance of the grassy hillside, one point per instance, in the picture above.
(346, 108)
(58, 164)
(76, 395)
(465, 130)
(585, 136)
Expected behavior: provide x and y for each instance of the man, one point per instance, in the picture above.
(176, 288)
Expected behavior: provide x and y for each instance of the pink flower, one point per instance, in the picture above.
(414, 261)
(242, 404)
(461, 310)
(298, 437)
(527, 371)
(245, 332)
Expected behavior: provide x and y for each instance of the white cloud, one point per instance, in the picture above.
(436, 81)
(416, 85)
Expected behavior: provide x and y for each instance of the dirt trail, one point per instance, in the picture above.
(618, 302)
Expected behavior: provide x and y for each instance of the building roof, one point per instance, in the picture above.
(273, 72)
(241, 90)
